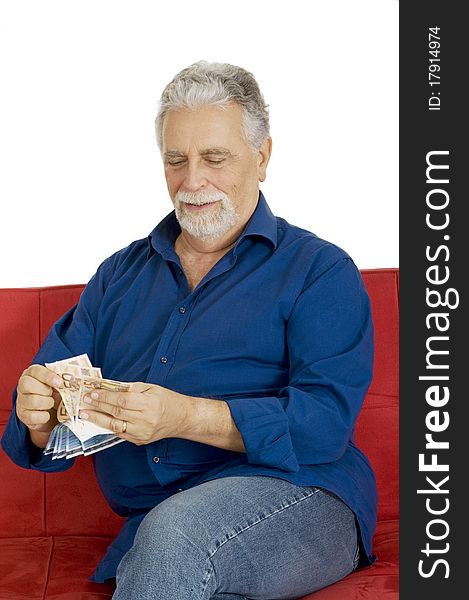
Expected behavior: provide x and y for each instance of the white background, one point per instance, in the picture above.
(81, 175)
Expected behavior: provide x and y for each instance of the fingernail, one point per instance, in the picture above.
(57, 382)
(94, 395)
(87, 399)
(84, 415)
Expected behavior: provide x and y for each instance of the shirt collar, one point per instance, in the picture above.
(262, 223)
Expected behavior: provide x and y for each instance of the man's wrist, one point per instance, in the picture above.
(209, 421)
(39, 438)
(186, 415)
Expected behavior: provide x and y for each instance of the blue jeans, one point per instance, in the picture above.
(235, 538)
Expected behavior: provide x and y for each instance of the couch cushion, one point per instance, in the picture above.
(73, 561)
(54, 302)
(19, 333)
(377, 435)
(381, 580)
(48, 568)
(24, 565)
(87, 512)
(21, 500)
(382, 286)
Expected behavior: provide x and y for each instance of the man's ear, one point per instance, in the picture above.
(263, 158)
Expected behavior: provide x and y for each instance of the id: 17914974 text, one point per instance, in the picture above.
(434, 67)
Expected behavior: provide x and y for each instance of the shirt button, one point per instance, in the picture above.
(156, 459)
(164, 359)
(182, 309)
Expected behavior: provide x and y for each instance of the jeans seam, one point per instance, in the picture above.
(207, 577)
(356, 558)
(259, 520)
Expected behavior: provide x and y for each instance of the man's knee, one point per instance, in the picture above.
(168, 548)
(171, 523)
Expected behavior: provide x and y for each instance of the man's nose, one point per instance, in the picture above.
(194, 177)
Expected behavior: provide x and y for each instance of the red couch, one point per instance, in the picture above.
(54, 528)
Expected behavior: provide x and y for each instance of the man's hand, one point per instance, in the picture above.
(144, 414)
(148, 413)
(37, 402)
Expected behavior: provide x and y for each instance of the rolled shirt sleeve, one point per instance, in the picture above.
(329, 337)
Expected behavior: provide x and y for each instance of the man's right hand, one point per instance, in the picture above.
(37, 402)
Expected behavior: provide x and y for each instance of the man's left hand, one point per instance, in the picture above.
(144, 414)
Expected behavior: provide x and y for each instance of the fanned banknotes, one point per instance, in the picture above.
(73, 436)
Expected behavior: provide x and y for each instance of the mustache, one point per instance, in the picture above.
(199, 198)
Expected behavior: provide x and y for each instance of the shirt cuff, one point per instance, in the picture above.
(19, 447)
(264, 427)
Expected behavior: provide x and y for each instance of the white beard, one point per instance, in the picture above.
(209, 223)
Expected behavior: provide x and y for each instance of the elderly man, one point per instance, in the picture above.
(253, 337)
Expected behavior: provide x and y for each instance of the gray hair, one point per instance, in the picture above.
(217, 84)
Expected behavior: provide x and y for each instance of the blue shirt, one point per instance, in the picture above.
(280, 329)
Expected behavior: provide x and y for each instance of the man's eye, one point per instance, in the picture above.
(175, 163)
(215, 161)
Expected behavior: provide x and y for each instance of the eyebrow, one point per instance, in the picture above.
(215, 151)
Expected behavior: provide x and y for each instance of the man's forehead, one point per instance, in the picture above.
(203, 128)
